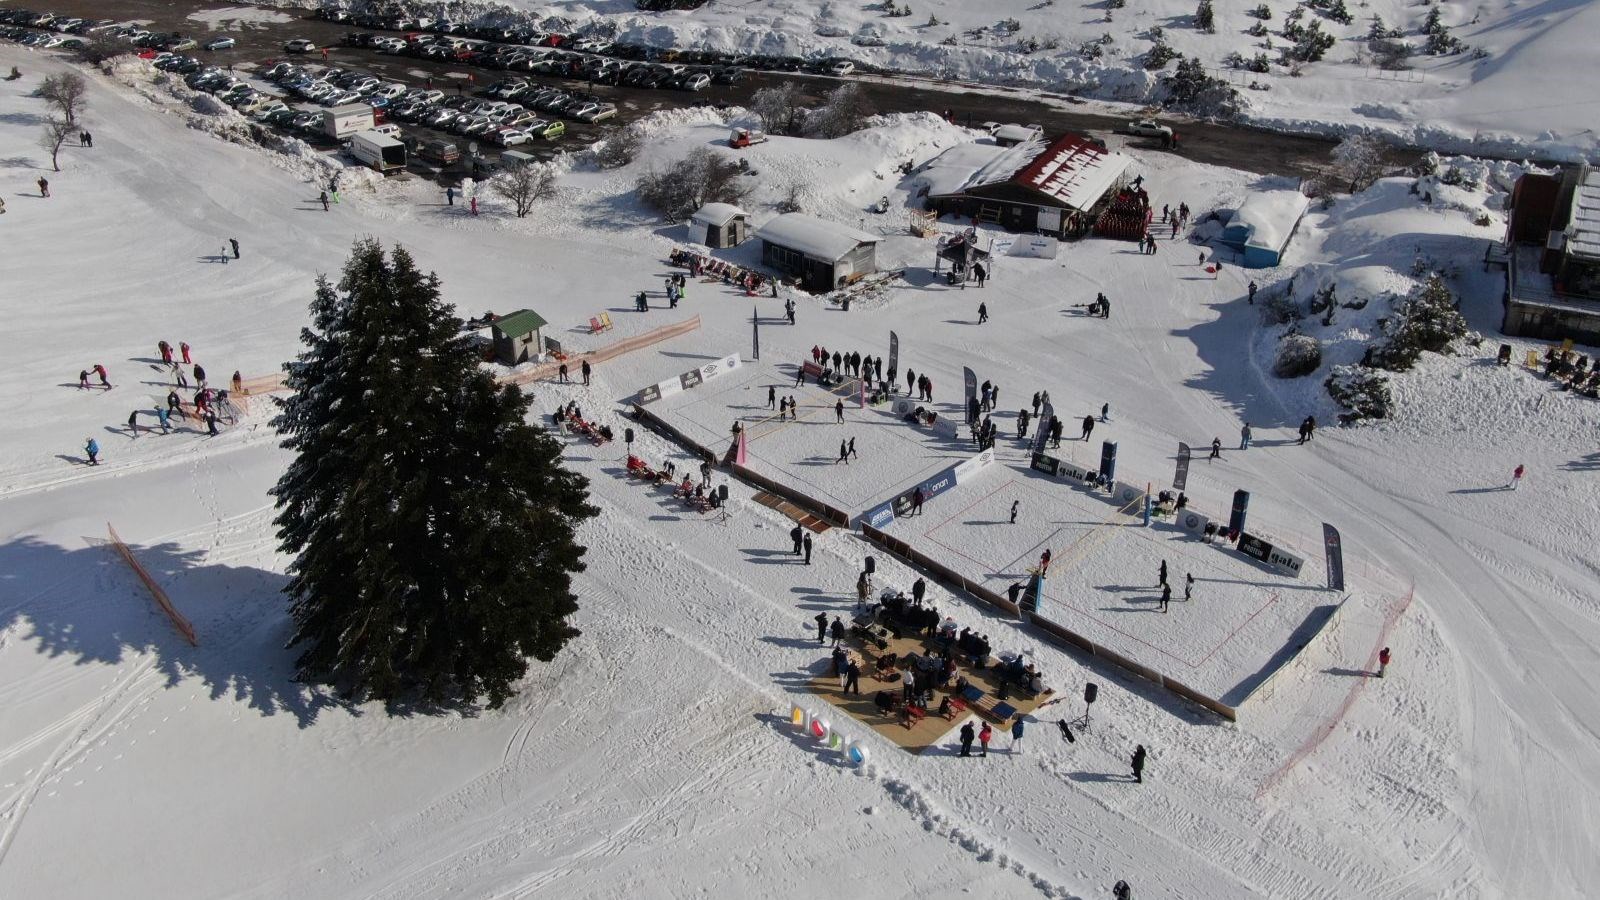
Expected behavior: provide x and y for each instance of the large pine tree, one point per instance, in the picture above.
(432, 528)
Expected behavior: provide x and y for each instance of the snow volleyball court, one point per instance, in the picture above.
(1246, 619)
(891, 456)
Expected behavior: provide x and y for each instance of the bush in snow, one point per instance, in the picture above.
(701, 177)
(524, 185)
(846, 110)
(778, 107)
(1390, 54)
(1279, 307)
(1363, 392)
(1159, 55)
(1192, 90)
(1205, 17)
(1426, 321)
(1298, 355)
(621, 148)
(1257, 30)
(1262, 12)
(1311, 43)
(1359, 158)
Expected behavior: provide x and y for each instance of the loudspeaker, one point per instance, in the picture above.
(722, 493)
(872, 565)
(627, 435)
(1090, 691)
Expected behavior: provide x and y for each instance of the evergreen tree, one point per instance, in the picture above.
(432, 529)
(1205, 18)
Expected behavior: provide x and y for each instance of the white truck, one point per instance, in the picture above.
(378, 151)
(343, 121)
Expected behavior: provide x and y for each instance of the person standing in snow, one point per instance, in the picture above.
(1015, 504)
(1216, 449)
(982, 275)
(1166, 596)
(967, 735)
(83, 379)
(772, 397)
(853, 448)
(586, 369)
(200, 375)
(92, 449)
(163, 417)
(1105, 412)
(174, 405)
(838, 412)
(983, 738)
(234, 243)
(561, 374)
(183, 351)
(44, 186)
(1088, 426)
(918, 589)
(1022, 423)
(806, 543)
(1383, 661)
(1044, 563)
(1244, 437)
(983, 313)
(794, 536)
(323, 199)
(450, 196)
(836, 630)
(166, 352)
(863, 589)
(844, 454)
(822, 628)
(1162, 578)
(1516, 478)
(1016, 735)
(1188, 586)
(105, 377)
(852, 679)
(916, 501)
(1252, 290)
(1138, 764)
(133, 423)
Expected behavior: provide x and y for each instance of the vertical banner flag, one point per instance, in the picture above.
(861, 384)
(1334, 547)
(741, 453)
(1041, 432)
(971, 380)
(755, 335)
(1180, 478)
(894, 354)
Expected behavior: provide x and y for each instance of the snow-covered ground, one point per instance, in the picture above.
(1499, 96)
(653, 757)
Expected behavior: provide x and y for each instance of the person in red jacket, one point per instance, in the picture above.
(1516, 476)
(1383, 661)
(983, 738)
(183, 348)
(105, 380)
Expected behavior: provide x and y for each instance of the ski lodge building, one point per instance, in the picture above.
(1552, 257)
(822, 255)
(1057, 188)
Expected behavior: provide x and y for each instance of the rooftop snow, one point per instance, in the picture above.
(812, 236)
(1270, 217)
(951, 170)
(1070, 169)
(1583, 229)
(717, 214)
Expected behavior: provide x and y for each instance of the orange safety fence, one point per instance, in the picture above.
(178, 621)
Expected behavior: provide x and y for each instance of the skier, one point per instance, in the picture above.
(1383, 661)
(852, 679)
(1188, 586)
(183, 350)
(844, 454)
(234, 243)
(1516, 477)
(1216, 449)
(163, 417)
(1166, 596)
(1016, 735)
(983, 738)
(105, 379)
(585, 368)
(133, 422)
(983, 313)
(92, 448)
(1244, 437)
(806, 542)
(966, 739)
(1138, 763)
(323, 199)
(795, 534)
(1162, 578)
(1088, 426)
(838, 412)
(1015, 504)
(822, 628)
(836, 631)
(772, 397)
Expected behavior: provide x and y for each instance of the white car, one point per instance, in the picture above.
(220, 43)
(299, 45)
(390, 91)
(510, 137)
(842, 68)
(1149, 128)
(697, 82)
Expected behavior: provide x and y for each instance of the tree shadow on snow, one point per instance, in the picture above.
(87, 605)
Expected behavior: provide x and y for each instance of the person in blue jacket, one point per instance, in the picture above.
(93, 449)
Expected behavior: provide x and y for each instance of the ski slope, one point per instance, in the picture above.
(652, 757)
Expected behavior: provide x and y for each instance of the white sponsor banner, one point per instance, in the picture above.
(1192, 522)
(720, 367)
(1125, 494)
(903, 406)
(973, 466)
(1286, 561)
(1034, 247)
(1076, 472)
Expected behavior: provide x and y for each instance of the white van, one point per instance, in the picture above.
(379, 151)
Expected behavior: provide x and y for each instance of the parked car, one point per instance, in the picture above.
(841, 68)
(221, 43)
(595, 112)
(698, 81)
(299, 45)
(548, 130)
(443, 152)
(1149, 128)
(509, 137)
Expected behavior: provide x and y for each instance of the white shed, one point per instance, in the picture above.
(823, 255)
(719, 225)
